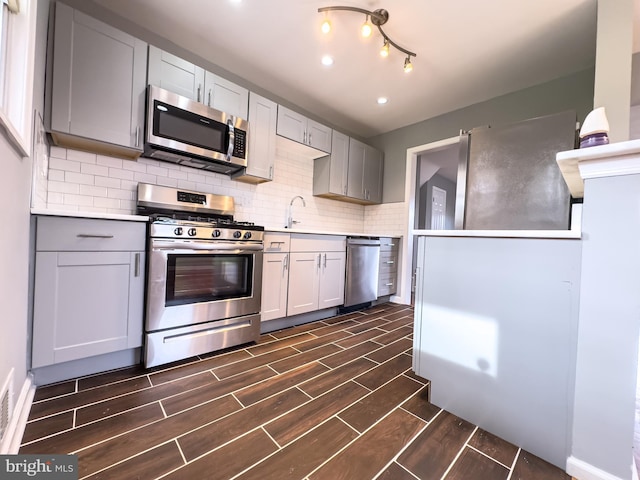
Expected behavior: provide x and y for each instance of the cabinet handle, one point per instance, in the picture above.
(209, 98)
(390, 262)
(271, 172)
(390, 244)
(136, 265)
(319, 259)
(309, 138)
(388, 284)
(276, 244)
(199, 86)
(325, 260)
(137, 136)
(93, 235)
(304, 137)
(285, 264)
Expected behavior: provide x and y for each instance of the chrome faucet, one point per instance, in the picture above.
(290, 220)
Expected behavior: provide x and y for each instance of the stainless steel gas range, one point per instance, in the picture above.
(204, 274)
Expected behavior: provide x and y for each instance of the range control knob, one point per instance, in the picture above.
(192, 232)
(178, 231)
(216, 233)
(237, 234)
(247, 235)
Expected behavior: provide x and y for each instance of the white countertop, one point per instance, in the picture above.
(96, 215)
(326, 232)
(558, 234)
(622, 153)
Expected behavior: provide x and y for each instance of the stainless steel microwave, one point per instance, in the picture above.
(183, 131)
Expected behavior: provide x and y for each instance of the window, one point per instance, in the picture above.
(17, 48)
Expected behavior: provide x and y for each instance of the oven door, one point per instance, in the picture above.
(194, 281)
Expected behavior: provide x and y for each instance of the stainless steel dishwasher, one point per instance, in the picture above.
(363, 259)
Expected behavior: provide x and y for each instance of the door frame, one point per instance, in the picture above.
(410, 200)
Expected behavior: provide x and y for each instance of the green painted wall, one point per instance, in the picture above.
(574, 92)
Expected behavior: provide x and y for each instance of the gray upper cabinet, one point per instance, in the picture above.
(330, 173)
(301, 129)
(96, 85)
(175, 74)
(353, 172)
(189, 80)
(226, 96)
(261, 153)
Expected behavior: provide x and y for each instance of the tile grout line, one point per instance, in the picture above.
(513, 465)
(488, 456)
(453, 462)
(396, 456)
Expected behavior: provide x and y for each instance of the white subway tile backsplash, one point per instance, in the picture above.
(58, 152)
(121, 174)
(80, 156)
(92, 169)
(93, 191)
(106, 202)
(144, 177)
(79, 200)
(110, 161)
(66, 165)
(265, 204)
(63, 187)
(57, 175)
(159, 171)
(107, 182)
(79, 178)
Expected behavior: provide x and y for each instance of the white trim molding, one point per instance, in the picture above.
(11, 442)
(585, 471)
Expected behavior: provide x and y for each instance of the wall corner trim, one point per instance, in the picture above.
(11, 443)
(584, 471)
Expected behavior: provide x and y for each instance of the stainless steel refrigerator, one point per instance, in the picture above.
(508, 178)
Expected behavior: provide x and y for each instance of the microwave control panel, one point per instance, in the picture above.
(239, 143)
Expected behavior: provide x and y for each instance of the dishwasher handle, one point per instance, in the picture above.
(365, 241)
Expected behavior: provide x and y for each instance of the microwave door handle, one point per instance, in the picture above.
(231, 140)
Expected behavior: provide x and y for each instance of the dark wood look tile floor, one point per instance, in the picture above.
(334, 399)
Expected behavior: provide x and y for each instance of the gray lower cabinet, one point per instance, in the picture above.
(275, 275)
(96, 85)
(353, 172)
(89, 288)
(388, 268)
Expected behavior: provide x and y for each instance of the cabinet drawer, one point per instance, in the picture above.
(276, 242)
(387, 284)
(303, 242)
(389, 244)
(388, 260)
(87, 234)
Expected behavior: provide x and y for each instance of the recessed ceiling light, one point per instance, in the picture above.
(382, 100)
(327, 60)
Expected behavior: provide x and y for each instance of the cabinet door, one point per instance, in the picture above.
(319, 136)
(175, 74)
(303, 282)
(275, 279)
(226, 96)
(372, 175)
(262, 137)
(355, 176)
(339, 163)
(86, 304)
(332, 273)
(99, 80)
(291, 125)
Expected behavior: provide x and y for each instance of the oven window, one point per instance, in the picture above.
(206, 278)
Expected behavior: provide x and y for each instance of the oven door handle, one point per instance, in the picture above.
(206, 247)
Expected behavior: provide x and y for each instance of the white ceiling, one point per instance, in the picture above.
(468, 51)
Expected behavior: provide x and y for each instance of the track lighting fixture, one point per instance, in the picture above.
(378, 18)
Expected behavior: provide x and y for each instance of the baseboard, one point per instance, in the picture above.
(12, 440)
(585, 471)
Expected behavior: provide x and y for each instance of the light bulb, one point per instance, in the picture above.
(384, 51)
(366, 30)
(327, 60)
(326, 26)
(407, 65)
